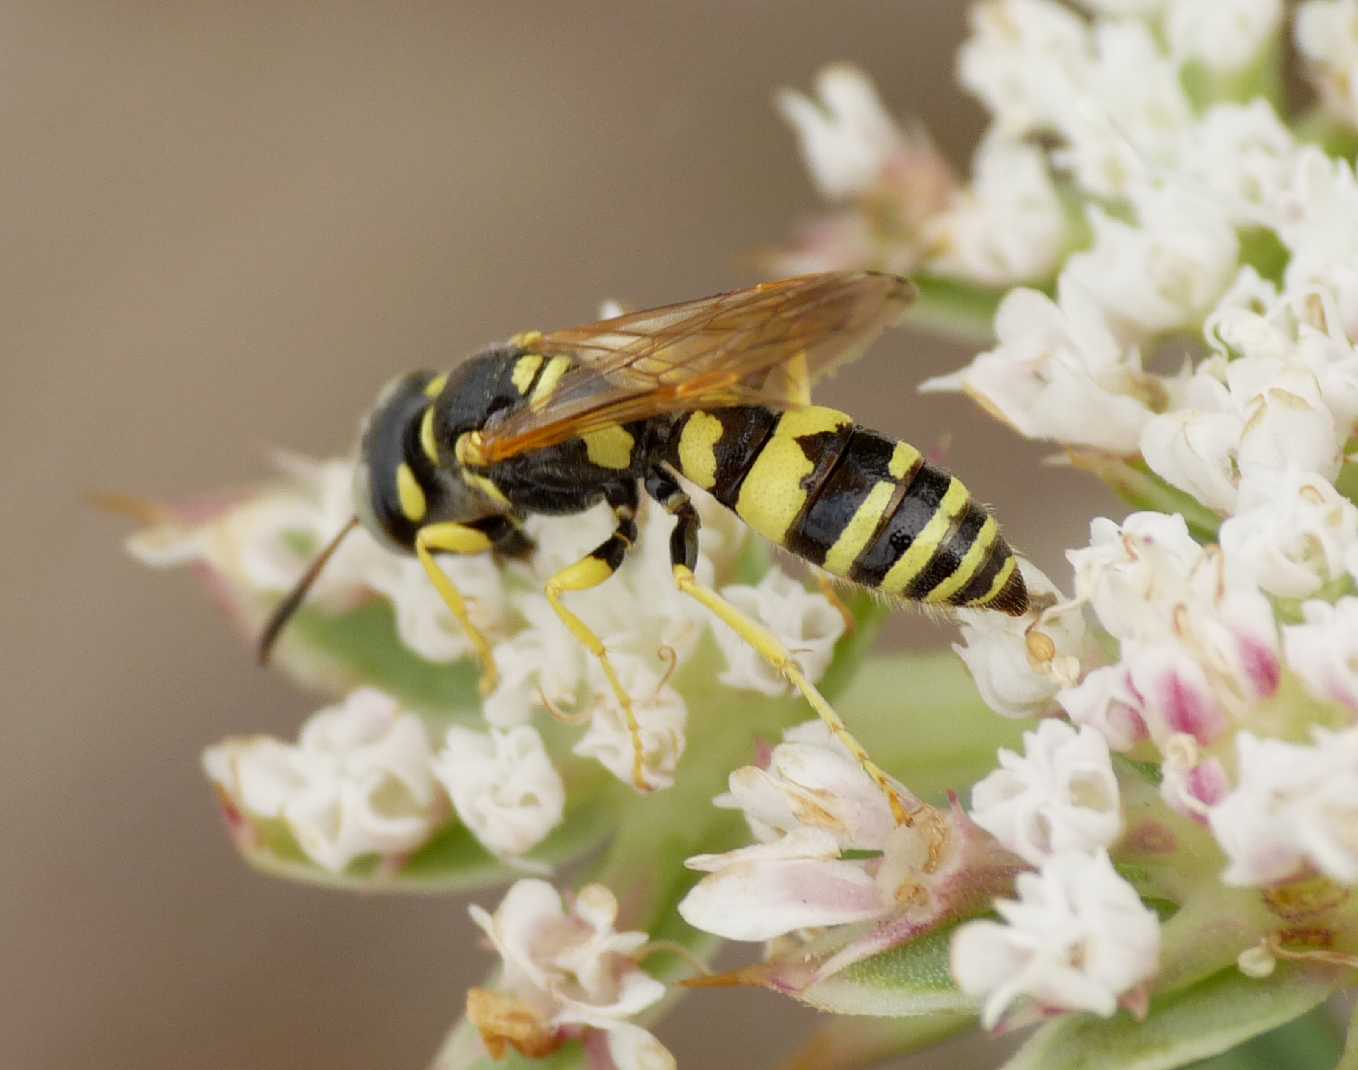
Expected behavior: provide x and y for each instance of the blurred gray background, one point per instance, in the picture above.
(225, 225)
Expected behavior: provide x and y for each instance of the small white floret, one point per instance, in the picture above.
(503, 786)
(1076, 939)
(1059, 795)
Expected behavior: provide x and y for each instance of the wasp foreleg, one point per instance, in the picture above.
(590, 571)
(683, 559)
(474, 538)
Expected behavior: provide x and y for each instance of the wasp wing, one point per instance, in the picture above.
(759, 346)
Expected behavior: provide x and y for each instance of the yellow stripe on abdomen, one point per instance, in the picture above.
(771, 494)
(841, 556)
(928, 541)
(969, 565)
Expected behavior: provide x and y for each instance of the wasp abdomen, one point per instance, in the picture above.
(860, 505)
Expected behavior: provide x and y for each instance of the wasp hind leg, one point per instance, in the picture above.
(684, 558)
(590, 571)
(474, 538)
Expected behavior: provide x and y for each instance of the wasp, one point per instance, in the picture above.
(715, 390)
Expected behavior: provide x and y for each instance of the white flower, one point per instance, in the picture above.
(1059, 795)
(357, 782)
(847, 137)
(503, 786)
(1008, 225)
(661, 716)
(1242, 155)
(1318, 222)
(423, 622)
(1290, 535)
(1022, 57)
(805, 622)
(1128, 117)
(1164, 272)
(565, 968)
(262, 544)
(1106, 701)
(1222, 34)
(1144, 8)
(1293, 804)
(1076, 939)
(1058, 373)
(810, 803)
(769, 889)
(1323, 650)
(1134, 573)
(812, 781)
(1020, 663)
(1327, 36)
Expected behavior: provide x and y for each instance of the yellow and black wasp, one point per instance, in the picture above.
(716, 390)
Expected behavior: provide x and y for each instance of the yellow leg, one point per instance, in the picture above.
(589, 572)
(767, 645)
(458, 539)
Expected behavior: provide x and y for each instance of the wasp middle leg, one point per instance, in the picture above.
(684, 558)
(590, 571)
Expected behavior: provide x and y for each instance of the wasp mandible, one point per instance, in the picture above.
(716, 390)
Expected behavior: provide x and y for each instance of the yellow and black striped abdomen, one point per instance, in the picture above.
(860, 505)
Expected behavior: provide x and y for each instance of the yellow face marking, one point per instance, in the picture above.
(411, 494)
(927, 542)
(698, 449)
(609, 447)
(427, 440)
(467, 450)
(1001, 578)
(551, 375)
(524, 369)
(436, 385)
(771, 495)
(971, 561)
(841, 556)
(524, 339)
(903, 458)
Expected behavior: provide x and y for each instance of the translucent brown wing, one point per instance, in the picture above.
(760, 346)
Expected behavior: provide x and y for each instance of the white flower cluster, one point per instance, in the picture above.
(1178, 200)
(362, 779)
(256, 548)
(567, 972)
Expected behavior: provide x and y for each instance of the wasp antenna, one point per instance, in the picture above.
(286, 608)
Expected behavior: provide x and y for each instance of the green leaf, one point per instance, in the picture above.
(957, 309)
(1349, 1060)
(860, 1042)
(1205, 1019)
(361, 647)
(1139, 486)
(909, 980)
(1305, 1043)
(453, 861)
